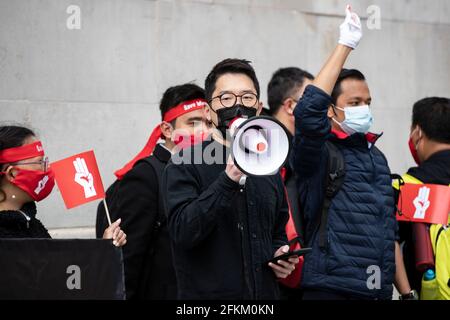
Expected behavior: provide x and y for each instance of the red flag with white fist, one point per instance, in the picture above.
(78, 179)
(427, 203)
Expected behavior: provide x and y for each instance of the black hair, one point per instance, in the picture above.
(345, 74)
(237, 66)
(284, 83)
(432, 115)
(12, 137)
(175, 95)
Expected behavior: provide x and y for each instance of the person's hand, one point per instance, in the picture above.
(116, 234)
(350, 29)
(283, 269)
(232, 171)
(411, 295)
(84, 178)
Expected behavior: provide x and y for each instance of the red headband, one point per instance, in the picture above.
(27, 151)
(170, 115)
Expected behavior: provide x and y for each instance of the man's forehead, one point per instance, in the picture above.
(234, 82)
(355, 87)
(196, 114)
(353, 84)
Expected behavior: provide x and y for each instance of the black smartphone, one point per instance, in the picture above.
(286, 256)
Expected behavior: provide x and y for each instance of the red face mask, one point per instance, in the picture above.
(413, 150)
(37, 184)
(183, 142)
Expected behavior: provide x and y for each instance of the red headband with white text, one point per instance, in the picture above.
(27, 151)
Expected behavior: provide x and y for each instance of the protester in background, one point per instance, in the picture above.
(136, 197)
(226, 227)
(351, 226)
(25, 178)
(284, 91)
(430, 147)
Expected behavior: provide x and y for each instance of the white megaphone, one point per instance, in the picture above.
(260, 145)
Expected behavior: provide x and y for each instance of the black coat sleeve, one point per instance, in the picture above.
(192, 213)
(138, 207)
(279, 231)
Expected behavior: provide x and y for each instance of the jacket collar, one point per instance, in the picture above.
(443, 155)
(15, 215)
(355, 139)
(162, 153)
(436, 169)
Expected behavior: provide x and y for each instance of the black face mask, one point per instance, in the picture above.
(226, 115)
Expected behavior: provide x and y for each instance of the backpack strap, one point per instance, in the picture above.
(111, 196)
(158, 167)
(294, 209)
(333, 182)
(410, 179)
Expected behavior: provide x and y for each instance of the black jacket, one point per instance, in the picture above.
(149, 272)
(435, 170)
(13, 224)
(223, 234)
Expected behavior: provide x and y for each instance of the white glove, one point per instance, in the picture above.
(350, 29)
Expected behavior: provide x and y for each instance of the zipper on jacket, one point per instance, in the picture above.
(381, 220)
(240, 226)
(26, 217)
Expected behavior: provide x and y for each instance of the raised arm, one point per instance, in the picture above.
(350, 34)
(312, 125)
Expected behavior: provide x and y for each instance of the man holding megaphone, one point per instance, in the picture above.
(227, 218)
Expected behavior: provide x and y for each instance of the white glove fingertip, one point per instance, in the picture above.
(348, 9)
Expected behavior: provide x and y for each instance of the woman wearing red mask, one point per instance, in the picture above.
(25, 177)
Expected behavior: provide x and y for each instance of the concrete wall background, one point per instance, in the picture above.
(99, 87)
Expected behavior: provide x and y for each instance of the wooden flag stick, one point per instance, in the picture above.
(107, 211)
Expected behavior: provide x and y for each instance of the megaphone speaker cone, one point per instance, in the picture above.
(260, 146)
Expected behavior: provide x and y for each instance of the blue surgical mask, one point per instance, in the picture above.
(357, 119)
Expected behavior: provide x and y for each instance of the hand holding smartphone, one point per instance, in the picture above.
(286, 256)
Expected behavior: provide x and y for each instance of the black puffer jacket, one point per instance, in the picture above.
(14, 224)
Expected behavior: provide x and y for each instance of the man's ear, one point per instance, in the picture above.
(420, 132)
(417, 132)
(166, 130)
(412, 130)
(331, 113)
(289, 106)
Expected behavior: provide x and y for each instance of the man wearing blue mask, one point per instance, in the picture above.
(344, 185)
(350, 111)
